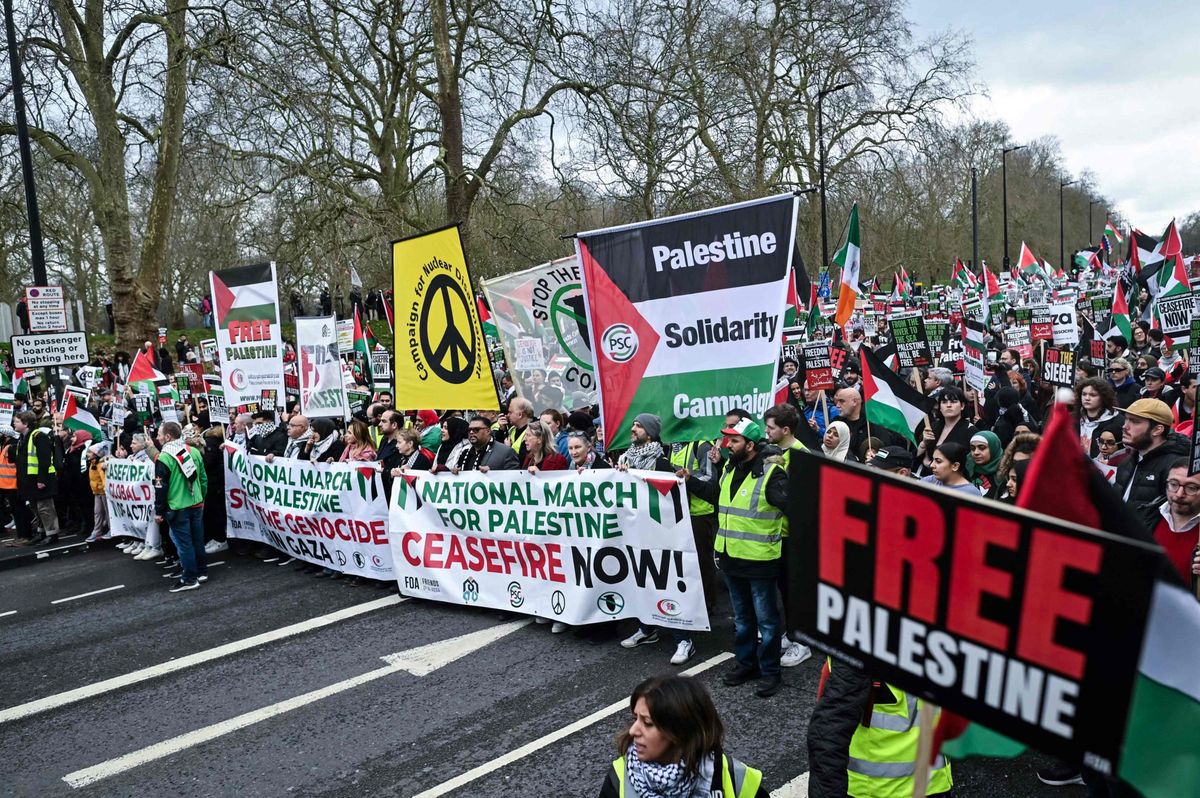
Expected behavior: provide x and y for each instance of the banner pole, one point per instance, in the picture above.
(825, 412)
(924, 749)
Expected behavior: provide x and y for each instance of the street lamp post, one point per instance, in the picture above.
(821, 168)
(1004, 180)
(1062, 249)
(975, 221)
(1091, 203)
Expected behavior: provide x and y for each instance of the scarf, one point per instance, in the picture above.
(587, 461)
(320, 447)
(260, 429)
(654, 780)
(642, 457)
(988, 469)
(840, 451)
(294, 446)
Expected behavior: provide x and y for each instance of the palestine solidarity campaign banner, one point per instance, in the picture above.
(319, 375)
(330, 514)
(441, 356)
(249, 338)
(545, 303)
(577, 548)
(685, 315)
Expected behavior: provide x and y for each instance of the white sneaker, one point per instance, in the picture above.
(149, 553)
(215, 547)
(794, 655)
(136, 548)
(683, 652)
(558, 627)
(640, 638)
(540, 621)
(123, 546)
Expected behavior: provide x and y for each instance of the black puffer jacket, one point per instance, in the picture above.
(1148, 473)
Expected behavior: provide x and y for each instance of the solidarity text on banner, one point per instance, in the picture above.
(686, 313)
(579, 548)
(249, 338)
(546, 303)
(322, 392)
(441, 355)
(331, 514)
(129, 491)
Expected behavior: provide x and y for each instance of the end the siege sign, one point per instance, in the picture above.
(1023, 623)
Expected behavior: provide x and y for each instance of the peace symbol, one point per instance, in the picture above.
(558, 602)
(451, 357)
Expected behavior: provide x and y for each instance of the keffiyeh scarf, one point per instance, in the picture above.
(654, 780)
(644, 456)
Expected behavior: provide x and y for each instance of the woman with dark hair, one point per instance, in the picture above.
(1016, 476)
(324, 444)
(949, 426)
(1020, 448)
(949, 468)
(1011, 414)
(454, 441)
(1095, 401)
(673, 747)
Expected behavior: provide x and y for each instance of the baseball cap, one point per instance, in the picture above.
(1154, 410)
(892, 458)
(747, 428)
(1154, 373)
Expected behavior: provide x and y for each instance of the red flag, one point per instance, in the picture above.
(142, 369)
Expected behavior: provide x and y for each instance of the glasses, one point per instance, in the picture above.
(476, 429)
(1105, 443)
(1190, 489)
(1117, 371)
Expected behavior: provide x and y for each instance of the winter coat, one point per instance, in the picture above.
(1090, 430)
(43, 446)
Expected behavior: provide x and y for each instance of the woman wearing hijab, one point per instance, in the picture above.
(836, 443)
(986, 452)
(454, 441)
(324, 444)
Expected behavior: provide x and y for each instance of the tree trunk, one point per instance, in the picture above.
(449, 102)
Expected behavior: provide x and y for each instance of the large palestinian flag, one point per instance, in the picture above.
(685, 315)
(891, 402)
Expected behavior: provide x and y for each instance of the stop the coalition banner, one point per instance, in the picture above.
(685, 315)
(330, 514)
(578, 548)
(545, 303)
(129, 491)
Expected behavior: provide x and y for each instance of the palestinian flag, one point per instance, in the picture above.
(389, 314)
(245, 293)
(485, 319)
(907, 284)
(993, 285)
(1159, 756)
(890, 402)
(363, 346)
(849, 257)
(1111, 230)
(1143, 252)
(1121, 323)
(962, 277)
(16, 383)
(1028, 266)
(813, 320)
(77, 418)
(142, 369)
(791, 310)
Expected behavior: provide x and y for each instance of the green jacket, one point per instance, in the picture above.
(173, 490)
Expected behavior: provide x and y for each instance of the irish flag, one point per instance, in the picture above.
(78, 418)
(245, 293)
(890, 401)
(850, 259)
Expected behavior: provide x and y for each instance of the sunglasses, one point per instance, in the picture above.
(477, 429)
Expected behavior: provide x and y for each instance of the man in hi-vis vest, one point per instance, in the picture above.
(750, 495)
(37, 473)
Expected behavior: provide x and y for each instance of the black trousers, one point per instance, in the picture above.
(834, 720)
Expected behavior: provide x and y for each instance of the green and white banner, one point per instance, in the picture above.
(574, 547)
(686, 315)
(330, 514)
(540, 316)
(129, 492)
(319, 373)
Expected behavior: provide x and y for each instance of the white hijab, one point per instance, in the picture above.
(840, 451)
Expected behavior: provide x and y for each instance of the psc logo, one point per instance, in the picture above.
(668, 607)
(515, 597)
(619, 343)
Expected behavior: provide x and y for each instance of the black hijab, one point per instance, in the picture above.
(456, 431)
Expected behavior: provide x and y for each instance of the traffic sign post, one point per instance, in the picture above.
(49, 349)
(47, 308)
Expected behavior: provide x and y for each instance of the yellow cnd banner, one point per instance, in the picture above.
(441, 358)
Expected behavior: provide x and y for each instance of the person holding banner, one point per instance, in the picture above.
(751, 498)
(358, 443)
(674, 747)
(484, 454)
(454, 442)
(540, 454)
(324, 444)
(583, 453)
(180, 486)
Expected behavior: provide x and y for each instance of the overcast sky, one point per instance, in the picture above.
(1117, 83)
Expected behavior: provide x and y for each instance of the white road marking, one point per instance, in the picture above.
(796, 788)
(215, 564)
(6, 614)
(554, 736)
(420, 661)
(45, 553)
(85, 595)
(171, 666)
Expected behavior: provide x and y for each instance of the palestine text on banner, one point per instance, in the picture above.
(685, 314)
(330, 514)
(319, 373)
(580, 548)
(441, 355)
(1026, 624)
(249, 338)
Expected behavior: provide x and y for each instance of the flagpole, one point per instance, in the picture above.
(924, 749)
(825, 412)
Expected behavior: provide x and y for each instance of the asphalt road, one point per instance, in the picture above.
(473, 705)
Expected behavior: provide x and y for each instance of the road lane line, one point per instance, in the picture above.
(6, 614)
(85, 595)
(420, 661)
(215, 564)
(554, 736)
(43, 554)
(171, 666)
(796, 788)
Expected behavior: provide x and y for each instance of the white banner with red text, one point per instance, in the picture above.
(574, 547)
(330, 514)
